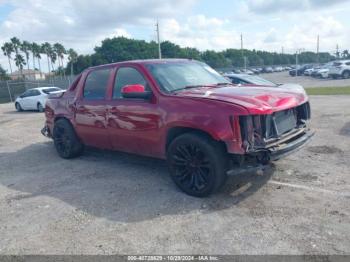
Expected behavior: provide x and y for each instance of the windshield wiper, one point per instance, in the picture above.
(224, 84)
(195, 86)
(189, 87)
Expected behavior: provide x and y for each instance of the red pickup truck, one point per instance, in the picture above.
(179, 110)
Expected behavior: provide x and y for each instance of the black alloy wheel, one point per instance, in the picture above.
(197, 164)
(66, 142)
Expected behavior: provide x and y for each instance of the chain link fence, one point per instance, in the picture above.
(10, 90)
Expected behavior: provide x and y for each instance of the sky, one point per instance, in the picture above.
(205, 24)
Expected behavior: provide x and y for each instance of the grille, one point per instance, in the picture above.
(256, 130)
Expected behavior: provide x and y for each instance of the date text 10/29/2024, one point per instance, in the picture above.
(172, 258)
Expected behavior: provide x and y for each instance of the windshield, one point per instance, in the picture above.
(176, 76)
(50, 90)
(258, 80)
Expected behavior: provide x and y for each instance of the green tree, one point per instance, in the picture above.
(170, 50)
(20, 62)
(25, 48)
(47, 49)
(215, 59)
(53, 58)
(60, 51)
(36, 49)
(3, 74)
(16, 43)
(72, 58)
(8, 49)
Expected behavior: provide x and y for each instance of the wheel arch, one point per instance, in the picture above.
(177, 131)
(59, 117)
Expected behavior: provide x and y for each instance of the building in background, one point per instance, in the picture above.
(28, 74)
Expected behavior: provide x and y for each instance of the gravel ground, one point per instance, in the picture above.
(305, 81)
(115, 203)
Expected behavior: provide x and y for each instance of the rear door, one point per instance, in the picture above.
(133, 124)
(90, 109)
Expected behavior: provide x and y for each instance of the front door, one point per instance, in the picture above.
(33, 99)
(90, 109)
(133, 123)
(25, 97)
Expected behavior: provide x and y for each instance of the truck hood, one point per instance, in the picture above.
(256, 99)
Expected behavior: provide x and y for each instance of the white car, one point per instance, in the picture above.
(308, 71)
(323, 73)
(340, 68)
(34, 99)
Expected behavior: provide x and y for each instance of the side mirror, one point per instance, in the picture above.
(135, 91)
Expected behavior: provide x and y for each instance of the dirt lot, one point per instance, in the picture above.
(108, 202)
(305, 81)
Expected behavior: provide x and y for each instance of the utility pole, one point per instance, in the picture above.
(244, 57)
(318, 48)
(337, 51)
(159, 49)
(282, 50)
(296, 63)
(296, 60)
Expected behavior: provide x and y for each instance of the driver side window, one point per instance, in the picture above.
(127, 76)
(25, 94)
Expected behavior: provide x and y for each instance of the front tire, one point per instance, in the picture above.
(66, 142)
(18, 107)
(197, 164)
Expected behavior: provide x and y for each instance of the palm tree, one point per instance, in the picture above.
(46, 49)
(16, 43)
(25, 48)
(53, 58)
(20, 62)
(38, 55)
(8, 49)
(72, 57)
(60, 51)
(32, 49)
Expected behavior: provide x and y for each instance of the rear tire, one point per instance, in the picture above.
(40, 107)
(18, 107)
(197, 164)
(346, 74)
(66, 142)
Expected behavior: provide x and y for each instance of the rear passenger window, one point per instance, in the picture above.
(96, 84)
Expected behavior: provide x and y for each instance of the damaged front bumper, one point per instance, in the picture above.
(284, 148)
(259, 158)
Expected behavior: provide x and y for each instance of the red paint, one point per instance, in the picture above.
(133, 89)
(142, 126)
